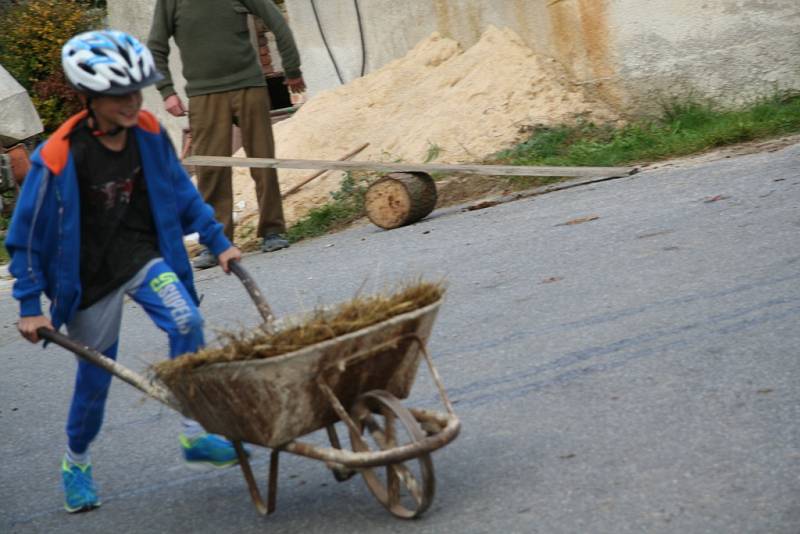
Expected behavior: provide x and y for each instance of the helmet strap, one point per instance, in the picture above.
(96, 131)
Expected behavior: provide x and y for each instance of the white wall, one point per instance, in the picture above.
(135, 17)
(731, 50)
(634, 52)
(18, 118)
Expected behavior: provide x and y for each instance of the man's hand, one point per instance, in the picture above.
(231, 254)
(295, 85)
(27, 326)
(174, 106)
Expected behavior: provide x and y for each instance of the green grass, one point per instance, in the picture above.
(433, 152)
(346, 206)
(3, 253)
(682, 129)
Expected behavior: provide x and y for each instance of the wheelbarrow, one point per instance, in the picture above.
(357, 379)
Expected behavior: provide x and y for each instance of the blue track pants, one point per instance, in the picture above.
(165, 299)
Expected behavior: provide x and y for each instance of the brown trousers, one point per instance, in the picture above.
(211, 119)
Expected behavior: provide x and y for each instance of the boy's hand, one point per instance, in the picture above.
(232, 253)
(174, 106)
(28, 326)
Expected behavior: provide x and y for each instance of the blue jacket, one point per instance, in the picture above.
(43, 239)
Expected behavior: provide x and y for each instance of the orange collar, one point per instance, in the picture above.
(55, 151)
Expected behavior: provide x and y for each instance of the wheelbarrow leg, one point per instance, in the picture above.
(340, 473)
(272, 488)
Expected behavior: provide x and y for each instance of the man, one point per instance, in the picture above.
(226, 87)
(101, 215)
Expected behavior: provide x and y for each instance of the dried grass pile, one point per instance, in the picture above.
(320, 325)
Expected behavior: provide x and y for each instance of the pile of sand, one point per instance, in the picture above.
(460, 105)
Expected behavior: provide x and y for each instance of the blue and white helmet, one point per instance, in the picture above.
(108, 62)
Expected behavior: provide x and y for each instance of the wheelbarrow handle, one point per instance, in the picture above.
(254, 291)
(93, 356)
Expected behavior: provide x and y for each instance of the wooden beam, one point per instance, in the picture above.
(319, 173)
(486, 170)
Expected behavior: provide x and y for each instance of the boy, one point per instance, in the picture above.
(102, 214)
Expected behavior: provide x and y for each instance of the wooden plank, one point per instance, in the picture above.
(487, 170)
(322, 171)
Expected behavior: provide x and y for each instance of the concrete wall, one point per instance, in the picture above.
(18, 118)
(634, 52)
(135, 17)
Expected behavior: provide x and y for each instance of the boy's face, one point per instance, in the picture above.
(121, 110)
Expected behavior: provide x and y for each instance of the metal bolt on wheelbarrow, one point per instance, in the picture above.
(357, 379)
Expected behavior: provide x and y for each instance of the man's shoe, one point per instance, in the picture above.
(204, 260)
(80, 493)
(208, 449)
(273, 242)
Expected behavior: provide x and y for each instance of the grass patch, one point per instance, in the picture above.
(3, 252)
(682, 129)
(346, 206)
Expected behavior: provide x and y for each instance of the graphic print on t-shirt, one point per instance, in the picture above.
(116, 192)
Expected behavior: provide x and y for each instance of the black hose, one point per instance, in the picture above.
(361, 34)
(328, 48)
(325, 42)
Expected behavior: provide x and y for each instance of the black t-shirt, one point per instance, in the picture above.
(118, 236)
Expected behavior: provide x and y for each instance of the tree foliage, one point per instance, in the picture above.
(33, 32)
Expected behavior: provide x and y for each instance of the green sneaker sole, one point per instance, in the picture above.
(204, 464)
(81, 509)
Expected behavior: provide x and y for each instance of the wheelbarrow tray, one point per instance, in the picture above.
(275, 400)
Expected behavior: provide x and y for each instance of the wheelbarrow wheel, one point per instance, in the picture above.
(405, 489)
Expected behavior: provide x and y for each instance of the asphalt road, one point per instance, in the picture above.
(636, 372)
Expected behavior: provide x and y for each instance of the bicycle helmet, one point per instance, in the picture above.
(108, 63)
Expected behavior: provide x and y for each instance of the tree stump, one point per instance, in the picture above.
(400, 198)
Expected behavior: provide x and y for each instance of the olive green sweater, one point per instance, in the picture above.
(214, 43)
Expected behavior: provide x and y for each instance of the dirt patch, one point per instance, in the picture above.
(741, 149)
(457, 189)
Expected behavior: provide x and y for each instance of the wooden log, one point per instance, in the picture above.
(487, 170)
(400, 198)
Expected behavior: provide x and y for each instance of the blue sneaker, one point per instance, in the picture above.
(80, 493)
(208, 449)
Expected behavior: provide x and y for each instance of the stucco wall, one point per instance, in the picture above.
(135, 17)
(18, 118)
(731, 50)
(634, 52)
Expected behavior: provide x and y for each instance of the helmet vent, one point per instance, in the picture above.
(124, 53)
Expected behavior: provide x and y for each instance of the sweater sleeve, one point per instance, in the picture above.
(273, 18)
(161, 30)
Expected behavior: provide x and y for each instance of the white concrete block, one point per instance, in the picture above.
(18, 118)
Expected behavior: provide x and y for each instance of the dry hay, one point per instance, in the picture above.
(320, 325)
